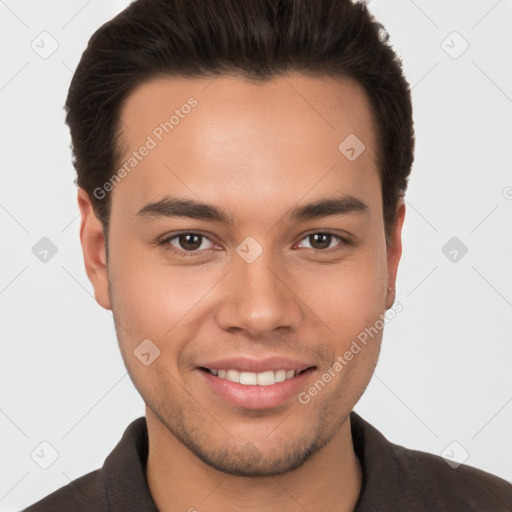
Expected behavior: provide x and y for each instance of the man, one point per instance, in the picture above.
(241, 170)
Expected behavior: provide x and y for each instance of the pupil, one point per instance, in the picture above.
(187, 241)
(322, 239)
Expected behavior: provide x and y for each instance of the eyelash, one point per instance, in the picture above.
(165, 243)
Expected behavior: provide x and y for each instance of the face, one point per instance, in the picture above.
(244, 241)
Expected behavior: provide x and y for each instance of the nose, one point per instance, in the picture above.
(259, 298)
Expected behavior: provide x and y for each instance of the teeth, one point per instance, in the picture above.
(233, 375)
(266, 378)
(281, 375)
(248, 378)
(252, 379)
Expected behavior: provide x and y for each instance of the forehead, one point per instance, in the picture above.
(220, 138)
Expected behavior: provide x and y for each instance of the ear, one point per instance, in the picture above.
(93, 248)
(395, 251)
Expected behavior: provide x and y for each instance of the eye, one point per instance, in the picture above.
(183, 243)
(191, 244)
(321, 241)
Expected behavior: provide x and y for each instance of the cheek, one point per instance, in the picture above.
(348, 296)
(155, 300)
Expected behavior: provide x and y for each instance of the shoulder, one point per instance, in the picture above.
(432, 480)
(85, 493)
(405, 479)
(121, 481)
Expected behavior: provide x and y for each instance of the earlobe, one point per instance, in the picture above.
(93, 248)
(395, 252)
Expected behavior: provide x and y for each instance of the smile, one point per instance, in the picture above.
(255, 390)
(266, 378)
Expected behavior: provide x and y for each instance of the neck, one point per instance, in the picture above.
(330, 480)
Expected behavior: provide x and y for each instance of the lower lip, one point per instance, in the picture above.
(254, 396)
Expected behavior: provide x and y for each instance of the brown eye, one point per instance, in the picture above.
(186, 244)
(323, 241)
(320, 240)
(190, 241)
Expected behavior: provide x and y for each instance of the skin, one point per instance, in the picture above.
(256, 151)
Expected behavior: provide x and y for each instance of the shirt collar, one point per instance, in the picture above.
(124, 471)
(375, 454)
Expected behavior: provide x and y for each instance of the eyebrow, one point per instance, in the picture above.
(170, 207)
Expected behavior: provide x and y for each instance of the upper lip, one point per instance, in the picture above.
(257, 365)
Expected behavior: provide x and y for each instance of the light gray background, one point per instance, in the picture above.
(444, 373)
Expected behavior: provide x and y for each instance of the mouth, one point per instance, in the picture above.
(265, 378)
(263, 390)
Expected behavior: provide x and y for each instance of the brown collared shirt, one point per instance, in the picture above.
(395, 479)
